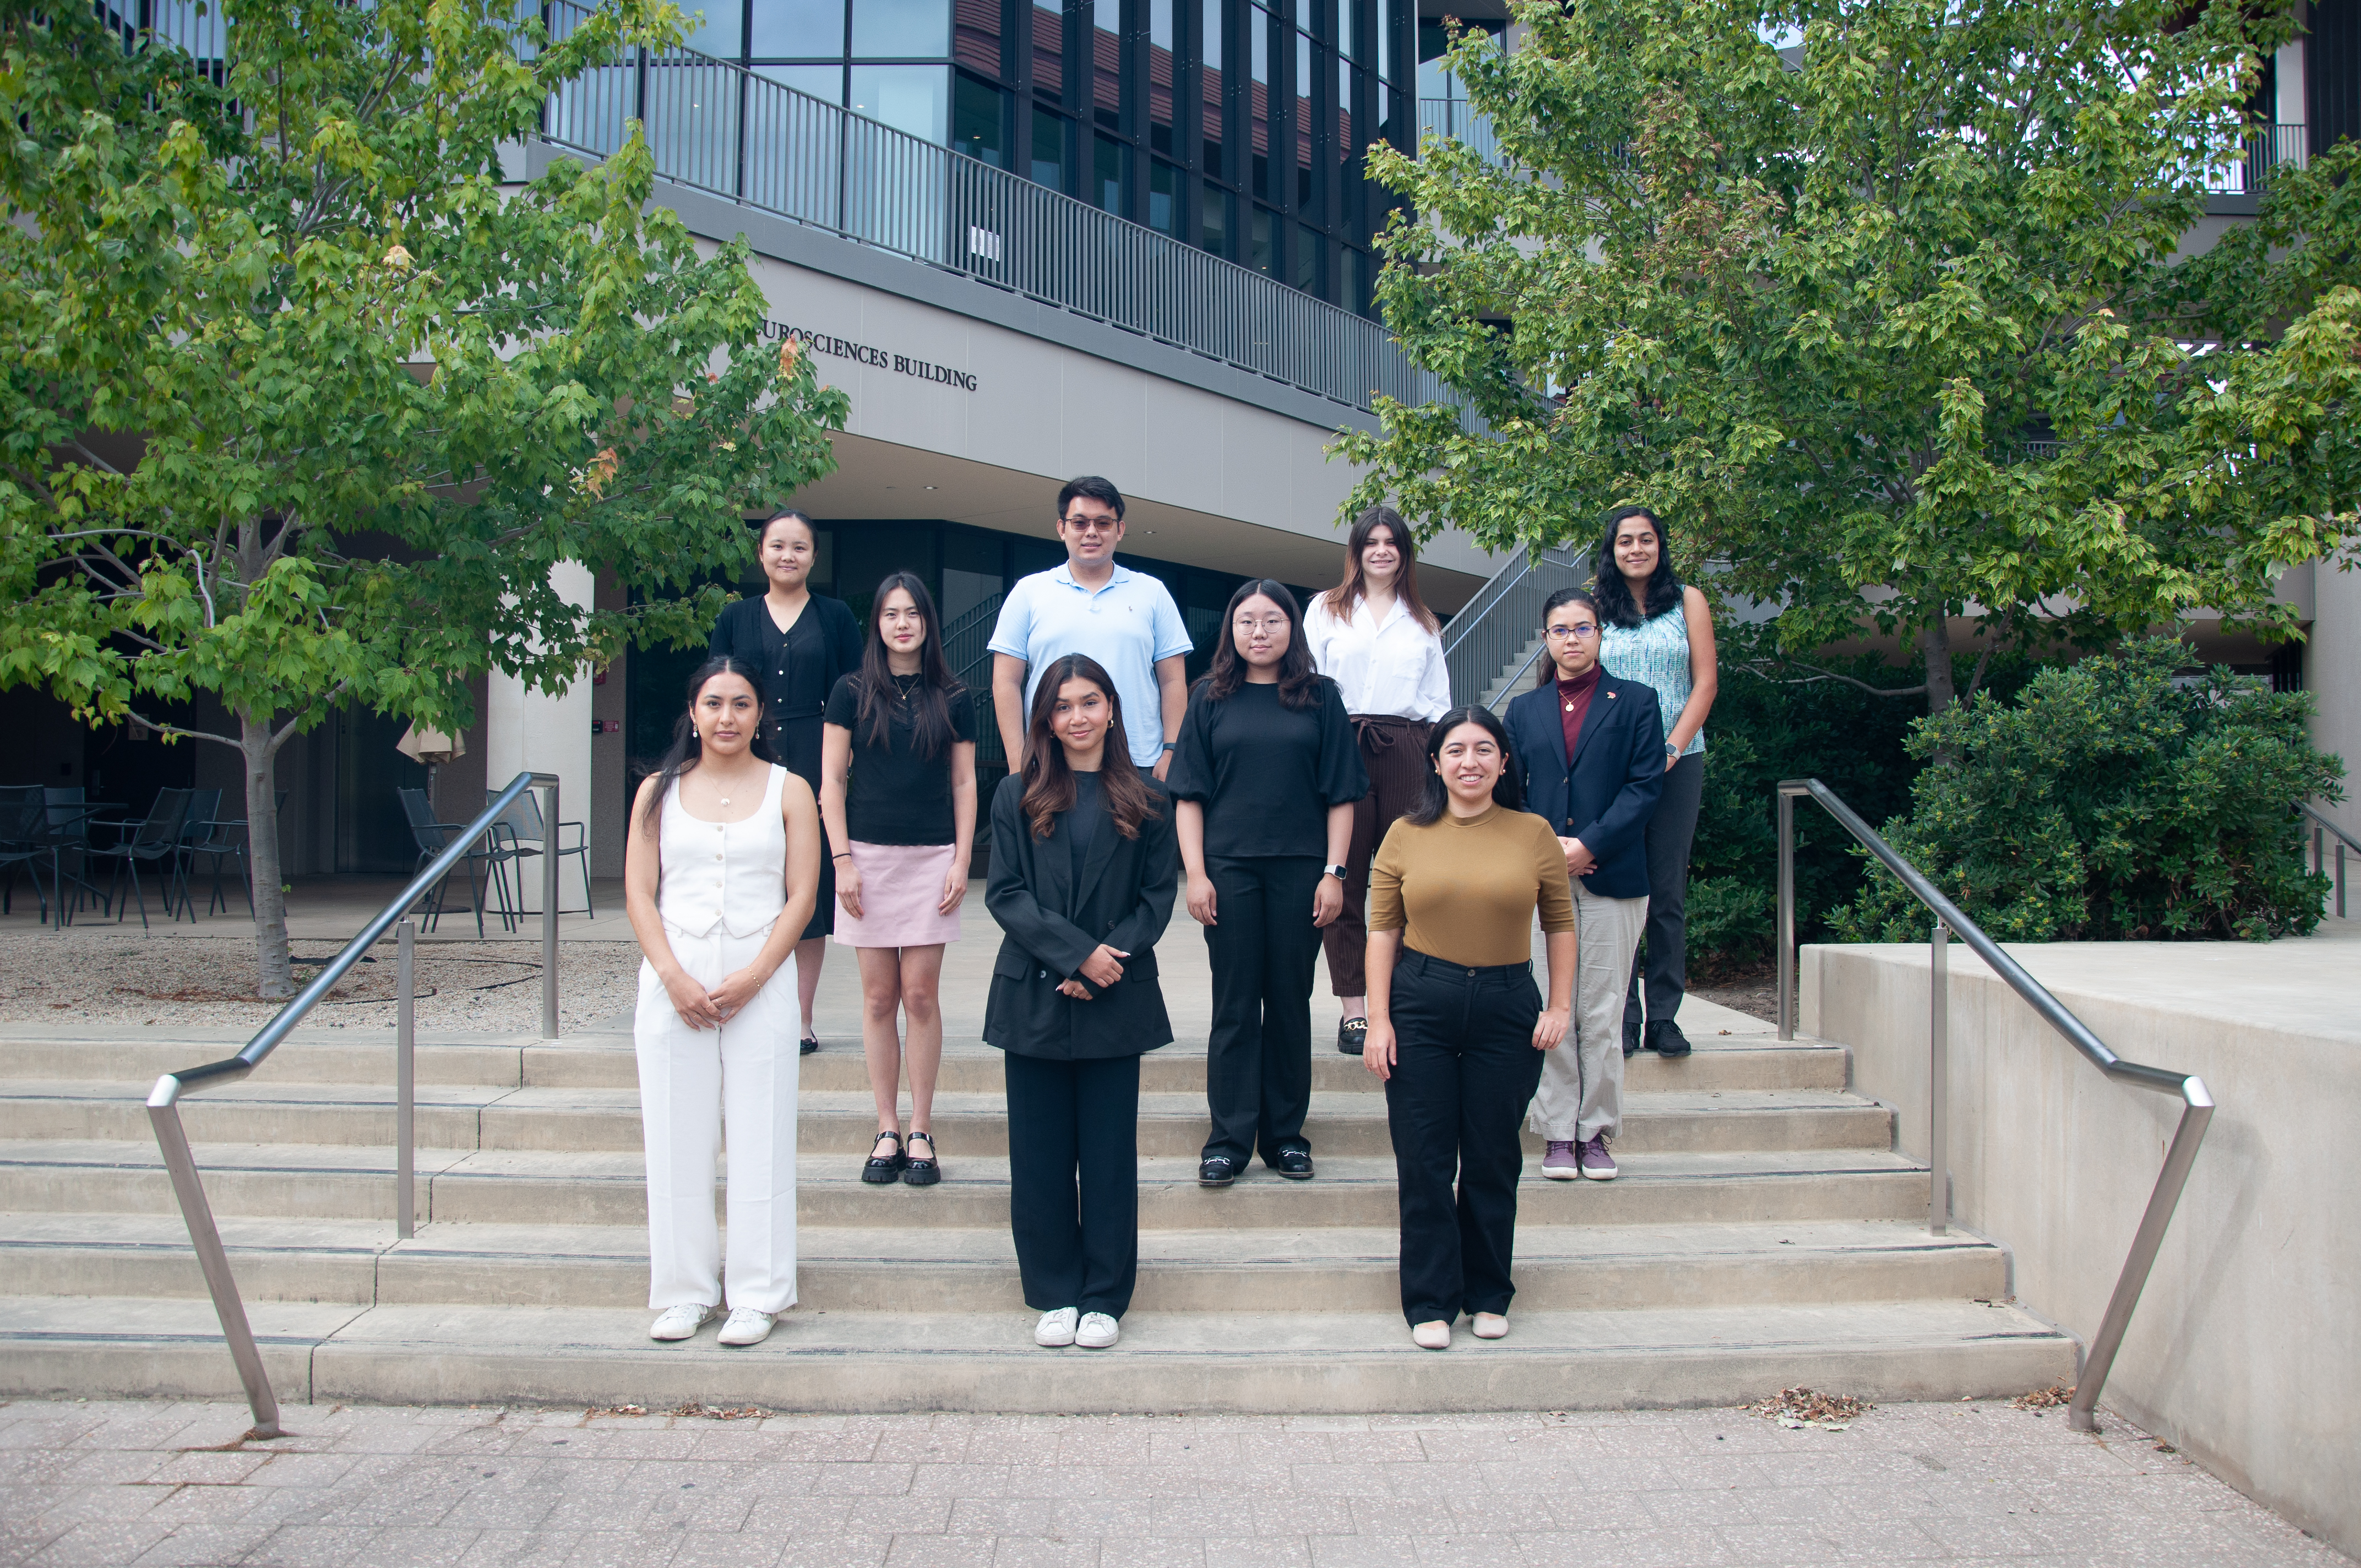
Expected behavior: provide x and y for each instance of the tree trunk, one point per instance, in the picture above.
(1936, 642)
(275, 981)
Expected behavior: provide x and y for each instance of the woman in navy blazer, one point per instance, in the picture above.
(1589, 750)
(1083, 864)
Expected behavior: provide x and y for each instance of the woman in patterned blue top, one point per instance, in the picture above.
(1658, 632)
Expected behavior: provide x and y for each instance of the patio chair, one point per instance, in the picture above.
(521, 826)
(219, 841)
(24, 824)
(67, 833)
(204, 805)
(155, 840)
(431, 839)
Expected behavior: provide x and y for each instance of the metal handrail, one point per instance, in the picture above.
(163, 1100)
(2320, 826)
(2197, 1104)
(1475, 648)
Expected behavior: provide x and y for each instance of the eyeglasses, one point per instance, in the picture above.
(1268, 623)
(1582, 630)
(1092, 524)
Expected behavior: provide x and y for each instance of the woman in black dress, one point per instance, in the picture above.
(798, 642)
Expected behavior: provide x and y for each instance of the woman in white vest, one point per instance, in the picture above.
(719, 875)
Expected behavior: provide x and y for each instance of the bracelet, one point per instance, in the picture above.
(845, 856)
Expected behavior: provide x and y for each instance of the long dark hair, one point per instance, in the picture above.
(1298, 684)
(789, 514)
(1049, 782)
(1548, 670)
(1507, 790)
(931, 731)
(1340, 598)
(687, 751)
(1614, 602)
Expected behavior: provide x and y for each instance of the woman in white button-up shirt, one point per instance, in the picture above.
(1375, 638)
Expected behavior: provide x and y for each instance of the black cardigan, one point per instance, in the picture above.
(1125, 901)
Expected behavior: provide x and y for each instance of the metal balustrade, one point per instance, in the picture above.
(1497, 627)
(2269, 147)
(1459, 120)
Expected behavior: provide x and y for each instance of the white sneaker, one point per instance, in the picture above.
(683, 1321)
(1057, 1328)
(1097, 1332)
(747, 1326)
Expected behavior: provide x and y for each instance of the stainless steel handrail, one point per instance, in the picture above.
(2197, 1104)
(164, 1099)
(1474, 647)
(2321, 825)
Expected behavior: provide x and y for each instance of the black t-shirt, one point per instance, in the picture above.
(891, 795)
(1083, 823)
(1265, 773)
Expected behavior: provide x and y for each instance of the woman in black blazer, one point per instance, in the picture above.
(1083, 861)
(798, 642)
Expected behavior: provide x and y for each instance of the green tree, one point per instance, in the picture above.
(303, 398)
(1888, 327)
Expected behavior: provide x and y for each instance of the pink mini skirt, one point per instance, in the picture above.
(900, 886)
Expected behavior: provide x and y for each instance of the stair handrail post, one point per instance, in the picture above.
(549, 836)
(405, 1078)
(2197, 1100)
(2323, 828)
(1787, 923)
(1939, 1081)
(164, 1098)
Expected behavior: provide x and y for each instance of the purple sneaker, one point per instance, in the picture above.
(1560, 1162)
(1597, 1163)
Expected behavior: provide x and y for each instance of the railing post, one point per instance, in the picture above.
(2100, 1359)
(405, 1079)
(549, 834)
(2340, 879)
(1938, 1085)
(1786, 933)
(172, 1140)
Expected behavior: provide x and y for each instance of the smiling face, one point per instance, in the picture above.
(1638, 547)
(1090, 530)
(900, 623)
(1380, 557)
(725, 713)
(1260, 628)
(1470, 762)
(1571, 634)
(787, 551)
(1080, 719)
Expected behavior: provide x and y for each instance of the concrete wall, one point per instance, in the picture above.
(2331, 672)
(2242, 1352)
(547, 733)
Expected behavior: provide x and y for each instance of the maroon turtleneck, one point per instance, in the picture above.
(1573, 705)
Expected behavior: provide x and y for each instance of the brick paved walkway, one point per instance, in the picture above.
(152, 1484)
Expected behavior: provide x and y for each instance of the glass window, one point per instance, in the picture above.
(1049, 149)
(823, 81)
(976, 41)
(1106, 62)
(1163, 197)
(1261, 235)
(1214, 221)
(1049, 50)
(1260, 27)
(1110, 174)
(1210, 94)
(885, 30)
(911, 98)
(720, 32)
(1159, 25)
(796, 29)
(977, 119)
(1307, 260)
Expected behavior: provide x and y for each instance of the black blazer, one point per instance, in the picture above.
(1607, 792)
(1125, 901)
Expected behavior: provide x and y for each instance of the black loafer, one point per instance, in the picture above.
(1631, 1036)
(1293, 1164)
(883, 1168)
(1666, 1040)
(1352, 1036)
(1218, 1170)
(811, 1044)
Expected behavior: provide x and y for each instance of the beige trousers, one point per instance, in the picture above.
(1581, 1094)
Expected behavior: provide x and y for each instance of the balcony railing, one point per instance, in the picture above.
(1460, 120)
(716, 127)
(2268, 147)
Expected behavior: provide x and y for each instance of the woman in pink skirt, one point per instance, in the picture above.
(897, 792)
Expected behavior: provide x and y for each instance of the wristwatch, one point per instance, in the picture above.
(1336, 871)
(1171, 745)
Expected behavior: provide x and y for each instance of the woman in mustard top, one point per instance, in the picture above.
(1456, 1027)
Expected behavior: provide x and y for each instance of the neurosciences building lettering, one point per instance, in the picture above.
(912, 366)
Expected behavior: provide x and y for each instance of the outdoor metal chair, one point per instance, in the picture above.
(432, 837)
(523, 834)
(155, 840)
(218, 841)
(204, 805)
(67, 832)
(24, 824)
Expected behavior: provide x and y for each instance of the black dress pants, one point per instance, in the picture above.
(1661, 967)
(1464, 1070)
(1073, 1180)
(1259, 1055)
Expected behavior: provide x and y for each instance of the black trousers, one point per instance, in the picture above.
(1259, 1055)
(1661, 967)
(1073, 1180)
(1465, 1071)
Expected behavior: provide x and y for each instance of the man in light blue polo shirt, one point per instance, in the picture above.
(1124, 620)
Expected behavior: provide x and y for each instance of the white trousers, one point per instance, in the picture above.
(1581, 1094)
(691, 1080)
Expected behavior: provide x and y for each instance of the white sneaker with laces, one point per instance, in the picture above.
(1097, 1332)
(747, 1326)
(682, 1321)
(1056, 1327)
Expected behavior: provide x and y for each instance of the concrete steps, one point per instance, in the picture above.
(1764, 1232)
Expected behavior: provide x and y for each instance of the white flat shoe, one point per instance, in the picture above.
(1490, 1325)
(1435, 1335)
(682, 1321)
(1097, 1332)
(1057, 1328)
(747, 1326)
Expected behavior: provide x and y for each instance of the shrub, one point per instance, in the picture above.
(2111, 801)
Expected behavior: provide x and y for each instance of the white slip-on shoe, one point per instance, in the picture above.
(1432, 1335)
(682, 1321)
(1056, 1327)
(1489, 1326)
(747, 1326)
(1097, 1332)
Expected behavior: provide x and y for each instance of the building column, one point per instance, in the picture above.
(546, 732)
